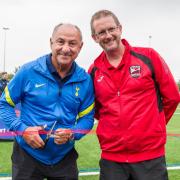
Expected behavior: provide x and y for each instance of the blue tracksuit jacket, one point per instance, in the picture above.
(43, 101)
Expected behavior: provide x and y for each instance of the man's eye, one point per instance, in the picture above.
(59, 42)
(72, 43)
(102, 33)
(111, 29)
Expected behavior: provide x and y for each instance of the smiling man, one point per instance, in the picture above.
(57, 96)
(135, 97)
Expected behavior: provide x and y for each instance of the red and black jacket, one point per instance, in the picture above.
(133, 117)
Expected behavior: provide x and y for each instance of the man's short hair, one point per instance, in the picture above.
(60, 24)
(3, 73)
(103, 13)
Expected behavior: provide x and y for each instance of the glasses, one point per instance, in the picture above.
(110, 30)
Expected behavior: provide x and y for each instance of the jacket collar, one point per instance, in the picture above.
(41, 67)
(99, 61)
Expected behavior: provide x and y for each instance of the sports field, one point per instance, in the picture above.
(89, 152)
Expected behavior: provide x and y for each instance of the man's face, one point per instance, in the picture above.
(107, 33)
(5, 76)
(66, 44)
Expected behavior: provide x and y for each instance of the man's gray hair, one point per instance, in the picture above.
(61, 24)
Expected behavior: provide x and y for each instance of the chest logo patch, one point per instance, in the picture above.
(77, 91)
(100, 78)
(39, 85)
(135, 71)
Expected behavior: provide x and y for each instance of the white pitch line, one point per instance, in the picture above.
(97, 173)
(173, 168)
(94, 173)
(88, 173)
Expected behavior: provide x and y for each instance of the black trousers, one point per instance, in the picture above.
(154, 169)
(25, 167)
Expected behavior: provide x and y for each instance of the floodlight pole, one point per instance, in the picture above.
(149, 40)
(5, 30)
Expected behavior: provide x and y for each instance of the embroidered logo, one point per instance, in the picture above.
(135, 71)
(39, 85)
(100, 78)
(77, 91)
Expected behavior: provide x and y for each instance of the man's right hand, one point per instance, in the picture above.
(31, 136)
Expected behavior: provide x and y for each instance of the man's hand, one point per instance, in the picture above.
(61, 136)
(31, 136)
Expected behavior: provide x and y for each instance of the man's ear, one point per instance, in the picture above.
(95, 38)
(81, 45)
(50, 41)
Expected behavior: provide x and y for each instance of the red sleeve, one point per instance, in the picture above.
(167, 85)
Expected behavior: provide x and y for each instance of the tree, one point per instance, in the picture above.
(10, 75)
(179, 84)
(16, 69)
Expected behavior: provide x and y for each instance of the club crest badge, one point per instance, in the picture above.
(135, 71)
(77, 91)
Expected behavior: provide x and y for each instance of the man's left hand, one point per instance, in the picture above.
(62, 136)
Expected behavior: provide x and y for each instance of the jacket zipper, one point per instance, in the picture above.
(118, 93)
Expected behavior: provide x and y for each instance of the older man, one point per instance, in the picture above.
(55, 94)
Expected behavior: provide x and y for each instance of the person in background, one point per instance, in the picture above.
(3, 81)
(135, 97)
(57, 108)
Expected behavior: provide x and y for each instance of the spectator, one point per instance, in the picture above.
(3, 81)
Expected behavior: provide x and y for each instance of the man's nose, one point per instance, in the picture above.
(108, 34)
(65, 48)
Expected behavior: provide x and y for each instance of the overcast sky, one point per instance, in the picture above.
(31, 23)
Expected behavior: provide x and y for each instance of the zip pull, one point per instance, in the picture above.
(118, 93)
